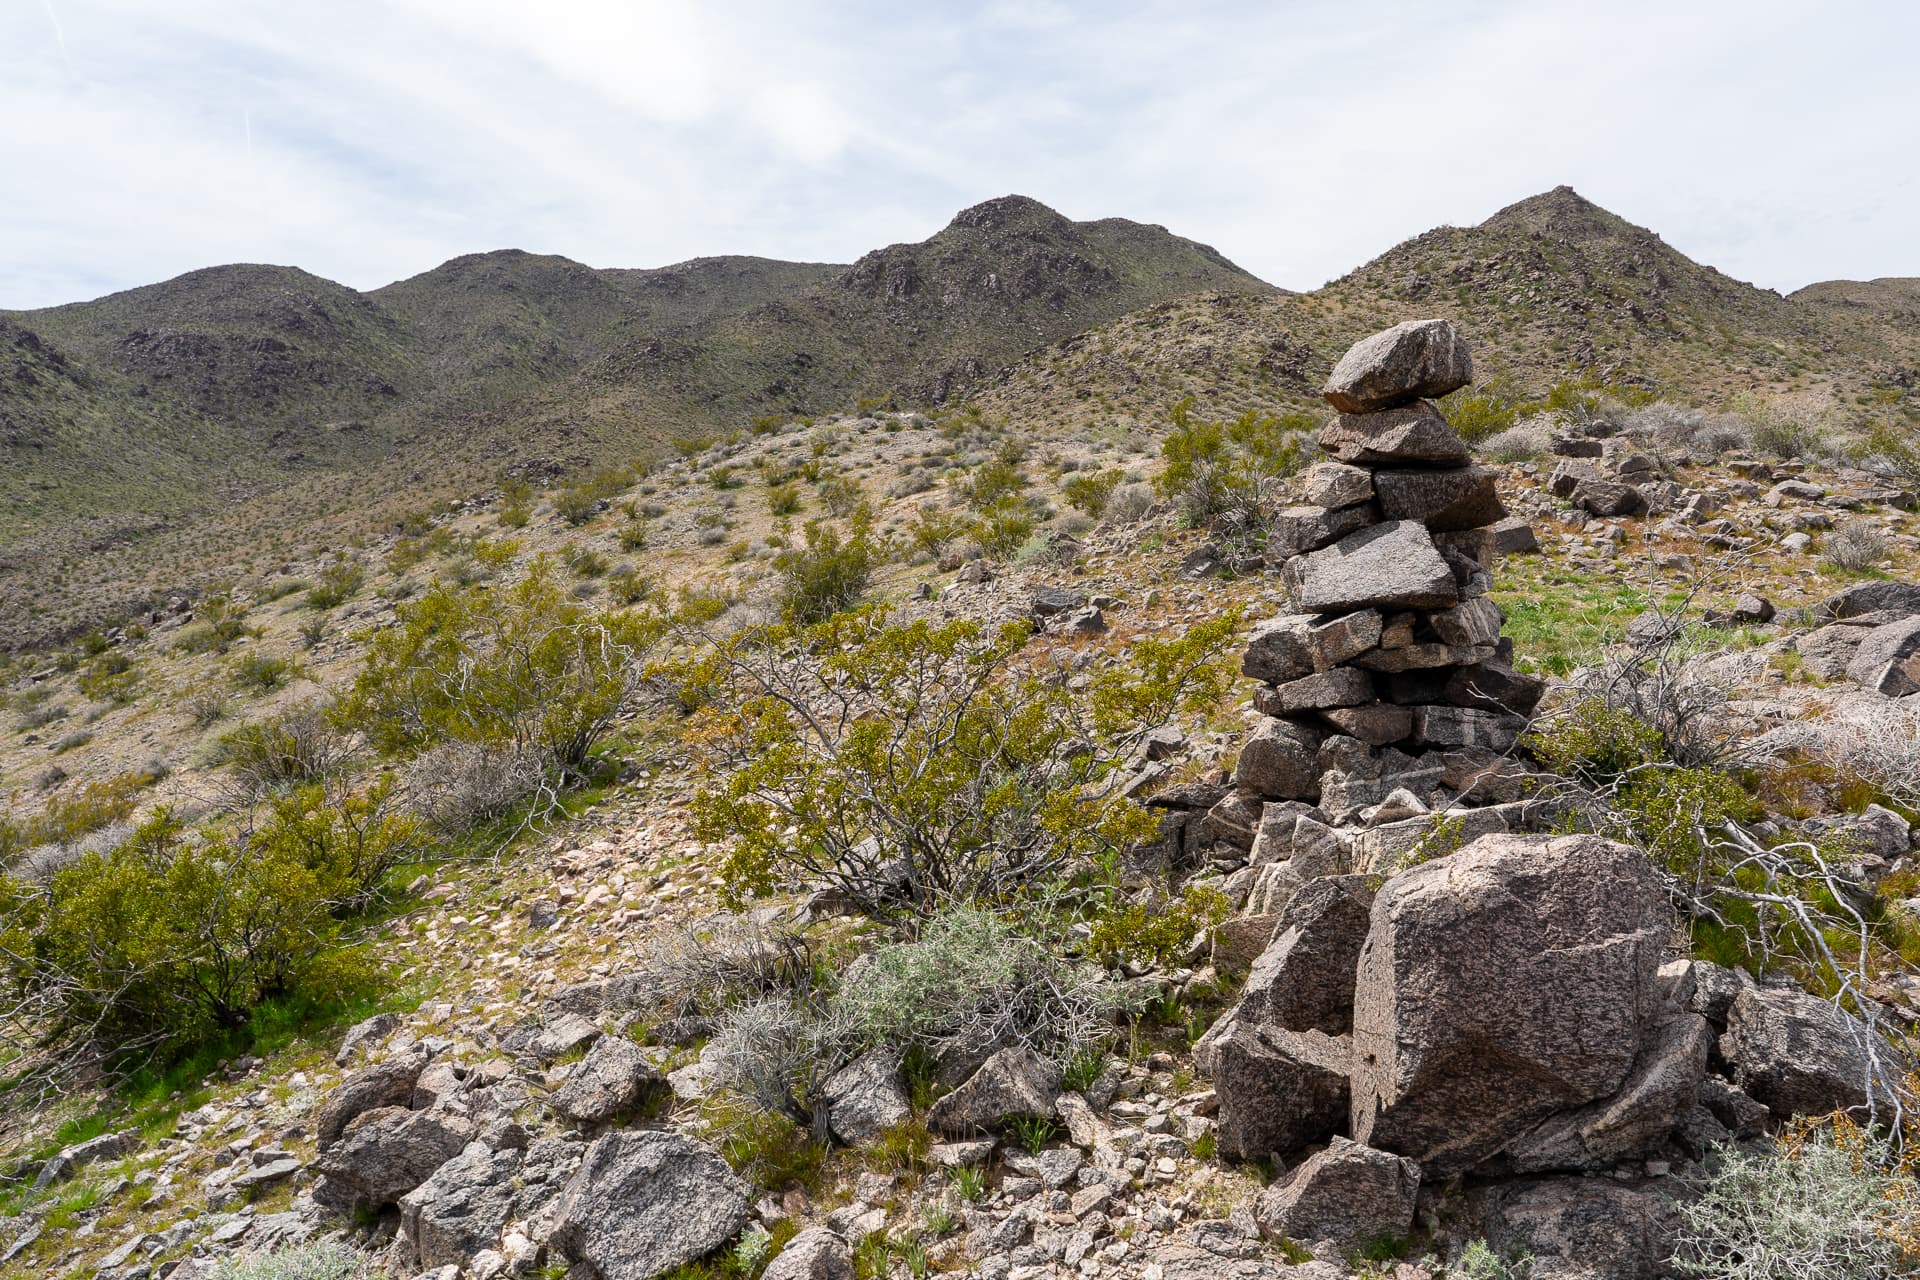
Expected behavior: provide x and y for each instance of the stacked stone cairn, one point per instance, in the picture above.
(1389, 691)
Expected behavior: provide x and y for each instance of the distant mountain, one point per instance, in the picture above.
(1548, 288)
(275, 404)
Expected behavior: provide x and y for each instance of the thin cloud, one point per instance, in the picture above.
(380, 137)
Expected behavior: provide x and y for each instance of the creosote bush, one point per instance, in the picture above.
(171, 937)
(523, 666)
(913, 765)
(828, 573)
(1226, 473)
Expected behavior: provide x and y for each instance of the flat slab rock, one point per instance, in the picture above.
(1413, 435)
(1393, 566)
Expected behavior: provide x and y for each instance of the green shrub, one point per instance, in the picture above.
(1131, 932)
(963, 775)
(934, 528)
(295, 745)
(166, 940)
(1089, 491)
(1221, 470)
(840, 495)
(523, 665)
(339, 583)
(828, 574)
(1828, 1203)
(263, 672)
(1004, 526)
(585, 561)
(110, 678)
(783, 499)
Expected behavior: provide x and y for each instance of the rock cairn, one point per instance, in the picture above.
(1388, 691)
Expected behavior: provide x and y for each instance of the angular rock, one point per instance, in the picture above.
(864, 1098)
(1513, 536)
(1233, 821)
(1387, 566)
(1465, 727)
(1298, 644)
(1829, 651)
(1463, 498)
(1413, 359)
(364, 1034)
(1303, 981)
(563, 1035)
(1636, 1120)
(459, 1211)
(1494, 686)
(1580, 1228)
(1050, 602)
(1377, 723)
(1335, 484)
(1340, 687)
(613, 1078)
(1415, 657)
(1238, 941)
(1871, 597)
(1395, 437)
(1296, 530)
(1801, 1055)
(389, 1151)
(815, 1254)
(1278, 1090)
(645, 1202)
(1568, 476)
(1609, 498)
(1348, 1193)
(1888, 659)
(1280, 760)
(1012, 1083)
(385, 1084)
(1464, 1035)
(1876, 832)
(1472, 622)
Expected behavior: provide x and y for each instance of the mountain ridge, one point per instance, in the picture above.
(143, 428)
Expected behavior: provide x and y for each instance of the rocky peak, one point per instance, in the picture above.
(1009, 213)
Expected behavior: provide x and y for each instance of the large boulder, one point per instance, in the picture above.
(613, 1079)
(1458, 498)
(1388, 566)
(646, 1202)
(384, 1084)
(1303, 981)
(1348, 1193)
(1888, 659)
(1014, 1082)
(1512, 980)
(387, 1152)
(1335, 484)
(459, 1211)
(1580, 1228)
(1801, 1055)
(1609, 498)
(1278, 1090)
(1414, 434)
(1280, 760)
(1638, 1118)
(1413, 359)
(864, 1098)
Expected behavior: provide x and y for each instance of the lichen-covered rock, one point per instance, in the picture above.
(458, 1211)
(864, 1098)
(387, 1152)
(1512, 980)
(1453, 499)
(645, 1202)
(384, 1084)
(1012, 1083)
(1303, 981)
(1348, 1193)
(1387, 566)
(1280, 761)
(815, 1254)
(1413, 359)
(1278, 1090)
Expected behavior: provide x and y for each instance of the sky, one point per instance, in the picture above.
(367, 141)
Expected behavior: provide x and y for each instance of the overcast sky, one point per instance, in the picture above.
(368, 141)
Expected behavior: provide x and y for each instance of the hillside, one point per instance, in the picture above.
(151, 433)
(1554, 287)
